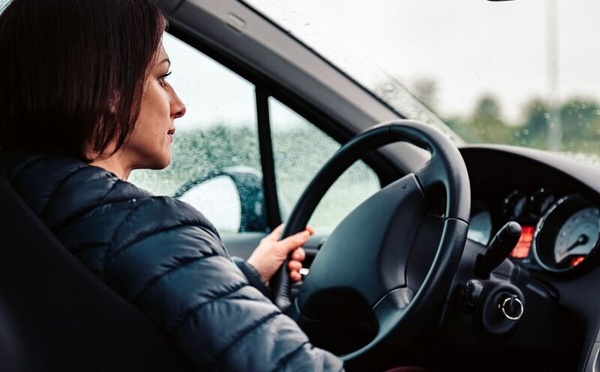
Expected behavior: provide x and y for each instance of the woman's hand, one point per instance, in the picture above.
(271, 252)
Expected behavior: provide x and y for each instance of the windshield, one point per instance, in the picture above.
(515, 72)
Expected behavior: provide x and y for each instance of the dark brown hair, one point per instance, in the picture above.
(73, 72)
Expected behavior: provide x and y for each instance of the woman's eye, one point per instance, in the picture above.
(163, 79)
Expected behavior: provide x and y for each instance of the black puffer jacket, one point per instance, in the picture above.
(167, 259)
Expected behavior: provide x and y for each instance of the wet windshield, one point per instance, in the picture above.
(515, 72)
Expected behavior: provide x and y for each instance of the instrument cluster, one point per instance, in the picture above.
(559, 232)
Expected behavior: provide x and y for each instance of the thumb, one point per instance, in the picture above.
(275, 234)
(294, 241)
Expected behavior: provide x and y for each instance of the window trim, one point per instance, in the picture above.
(265, 142)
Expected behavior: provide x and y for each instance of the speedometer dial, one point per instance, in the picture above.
(578, 236)
(567, 234)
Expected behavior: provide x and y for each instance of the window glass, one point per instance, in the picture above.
(217, 134)
(523, 73)
(217, 145)
(300, 150)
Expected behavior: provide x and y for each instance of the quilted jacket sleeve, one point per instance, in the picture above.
(169, 261)
(252, 275)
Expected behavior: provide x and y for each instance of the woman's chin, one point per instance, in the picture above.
(163, 165)
(158, 163)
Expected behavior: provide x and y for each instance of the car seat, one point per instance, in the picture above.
(55, 315)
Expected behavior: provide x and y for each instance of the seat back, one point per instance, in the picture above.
(55, 315)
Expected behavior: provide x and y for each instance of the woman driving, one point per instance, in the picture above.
(86, 100)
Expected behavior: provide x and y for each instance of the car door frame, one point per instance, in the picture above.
(337, 106)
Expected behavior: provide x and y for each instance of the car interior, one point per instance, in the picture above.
(467, 256)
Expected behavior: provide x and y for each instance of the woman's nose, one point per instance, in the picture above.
(177, 106)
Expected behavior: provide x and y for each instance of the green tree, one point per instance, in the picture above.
(534, 131)
(486, 123)
(580, 123)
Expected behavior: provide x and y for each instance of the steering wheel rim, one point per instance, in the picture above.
(394, 307)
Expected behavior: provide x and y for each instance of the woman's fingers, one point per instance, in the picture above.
(298, 254)
(295, 267)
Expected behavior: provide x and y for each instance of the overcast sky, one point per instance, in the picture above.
(469, 47)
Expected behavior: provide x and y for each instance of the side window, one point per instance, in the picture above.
(300, 150)
(216, 164)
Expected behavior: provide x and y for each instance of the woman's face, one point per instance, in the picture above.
(149, 146)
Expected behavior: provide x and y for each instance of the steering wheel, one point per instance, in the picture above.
(394, 256)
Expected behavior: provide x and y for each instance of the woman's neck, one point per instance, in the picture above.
(114, 165)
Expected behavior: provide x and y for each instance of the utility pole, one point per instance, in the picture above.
(553, 74)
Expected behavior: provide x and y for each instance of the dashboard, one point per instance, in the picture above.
(556, 200)
(553, 198)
